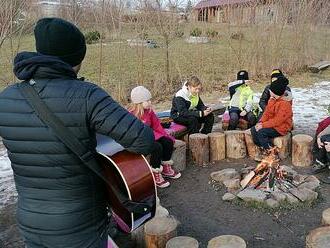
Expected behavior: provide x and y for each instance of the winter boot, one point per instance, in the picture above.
(168, 171)
(160, 181)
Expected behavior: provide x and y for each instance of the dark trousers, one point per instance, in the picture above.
(264, 137)
(320, 153)
(194, 123)
(234, 119)
(163, 149)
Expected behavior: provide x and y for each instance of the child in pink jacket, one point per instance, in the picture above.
(160, 160)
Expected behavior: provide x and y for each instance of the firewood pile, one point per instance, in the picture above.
(268, 182)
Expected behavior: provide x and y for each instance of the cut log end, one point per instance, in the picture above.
(182, 242)
(326, 217)
(228, 241)
(318, 238)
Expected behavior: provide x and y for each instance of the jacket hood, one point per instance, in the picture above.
(287, 96)
(28, 65)
(184, 92)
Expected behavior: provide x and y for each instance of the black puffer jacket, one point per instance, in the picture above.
(265, 97)
(57, 194)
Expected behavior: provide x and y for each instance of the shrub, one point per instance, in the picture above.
(211, 33)
(179, 33)
(196, 32)
(92, 36)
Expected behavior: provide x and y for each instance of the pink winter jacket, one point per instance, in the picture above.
(150, 119)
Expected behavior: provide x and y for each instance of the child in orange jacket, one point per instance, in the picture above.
(277, 118)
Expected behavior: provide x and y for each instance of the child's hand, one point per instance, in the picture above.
(319, 143)
(327, 146)
(243, 113)
(258, 126)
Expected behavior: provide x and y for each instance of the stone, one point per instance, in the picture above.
(298, 179)
(232, 184)
(252, 195)
(312, 179)
(228, 197)
(304, 194)
(246, 170)
(318, 238)
(226, 174)
(291, 199)
(289, 170)
(272, 203)
(309, 185)
(278, 196)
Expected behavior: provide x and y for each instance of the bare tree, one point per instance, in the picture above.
(167, 24)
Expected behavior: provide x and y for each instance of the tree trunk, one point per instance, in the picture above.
(217, 143)
(179, 155)
(158, 231)
(199, 148)
(318, 238)
(326, 217)
(302, 150)
(284, 145)
(182, 242)
(228, 241)
(235, 144)
(251, 147)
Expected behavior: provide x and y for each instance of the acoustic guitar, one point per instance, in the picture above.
(130, 174)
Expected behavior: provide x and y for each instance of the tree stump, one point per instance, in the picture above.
(182, 242)
(158, 231)
(252, 149)
(284, 145)
(235, 144)
(227, 241)
(318, 238)
(302, 150)
(326, 217)
(217, 143)
(138, 236)
(179, 155)
(199, 148)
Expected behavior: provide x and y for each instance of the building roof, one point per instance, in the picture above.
(214, 3)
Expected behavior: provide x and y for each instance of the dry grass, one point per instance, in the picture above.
(216, 63)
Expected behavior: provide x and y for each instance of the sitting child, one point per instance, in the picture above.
(277, 118)
(322, 148)
(189, 110)
(241, 101)
(160, 159)
(266, 94)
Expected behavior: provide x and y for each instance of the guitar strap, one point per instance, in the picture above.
(74, 144)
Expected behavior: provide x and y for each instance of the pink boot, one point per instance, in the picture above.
(168, 170)
(160, 181)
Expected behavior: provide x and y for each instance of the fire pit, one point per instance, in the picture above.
(268, 182)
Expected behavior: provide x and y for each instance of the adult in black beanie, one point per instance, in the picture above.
(61, 202)
(278, 86)
(60, 38)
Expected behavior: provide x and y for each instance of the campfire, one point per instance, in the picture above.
(268, 182)
(269, 175)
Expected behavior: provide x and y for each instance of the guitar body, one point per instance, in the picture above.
(132, 175)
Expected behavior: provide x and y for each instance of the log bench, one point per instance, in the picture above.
(302, 150)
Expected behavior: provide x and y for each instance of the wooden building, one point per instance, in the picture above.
(236, 11)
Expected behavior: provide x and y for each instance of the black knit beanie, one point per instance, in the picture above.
(57, 37)
(275, 74)
(242, 75)
(278, 86)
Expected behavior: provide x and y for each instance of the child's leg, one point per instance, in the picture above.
(255, 137)
(233, 122)
(251, 118)
(191, 122)
(155, 162)
(167, 147)
(208, 123)
(167, 163)
(265, 136)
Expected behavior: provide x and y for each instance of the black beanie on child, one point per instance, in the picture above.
(278, 86)
(60, 38)
(242, 75)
